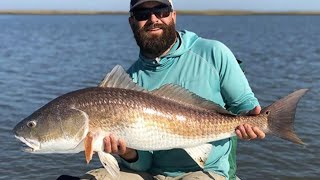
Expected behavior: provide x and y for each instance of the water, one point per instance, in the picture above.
(42, 57)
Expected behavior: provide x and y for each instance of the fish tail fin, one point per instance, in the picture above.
(281, 116)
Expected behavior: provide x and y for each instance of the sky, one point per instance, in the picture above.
(123, 5)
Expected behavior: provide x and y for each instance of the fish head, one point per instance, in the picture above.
(54, 128)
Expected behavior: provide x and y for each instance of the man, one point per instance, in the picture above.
(205, 67)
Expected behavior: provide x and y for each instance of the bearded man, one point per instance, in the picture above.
(205, 67)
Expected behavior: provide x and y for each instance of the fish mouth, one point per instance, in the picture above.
(32, 145)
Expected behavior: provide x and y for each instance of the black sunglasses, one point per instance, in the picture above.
(144, 14)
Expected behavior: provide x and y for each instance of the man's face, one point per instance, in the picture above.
(154, 32)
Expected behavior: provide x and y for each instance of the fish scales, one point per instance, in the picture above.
(117, 110)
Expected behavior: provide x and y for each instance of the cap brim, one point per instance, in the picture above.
(143, 1)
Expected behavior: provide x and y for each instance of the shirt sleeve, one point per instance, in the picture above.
(235, 88)
(142, 164)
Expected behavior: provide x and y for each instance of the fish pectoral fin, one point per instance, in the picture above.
(110, 164)
(199, 153)
(88, 147)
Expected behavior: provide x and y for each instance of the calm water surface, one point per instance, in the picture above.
(42, 57)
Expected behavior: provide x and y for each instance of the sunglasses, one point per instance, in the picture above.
(144, 14)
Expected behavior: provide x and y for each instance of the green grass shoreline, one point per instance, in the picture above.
(181, 12)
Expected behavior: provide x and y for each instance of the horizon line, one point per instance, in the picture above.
(182, 12)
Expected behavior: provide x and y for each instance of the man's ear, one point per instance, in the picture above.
(130, 19)
(174, 17)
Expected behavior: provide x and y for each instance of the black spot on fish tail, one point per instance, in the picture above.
(281, 116)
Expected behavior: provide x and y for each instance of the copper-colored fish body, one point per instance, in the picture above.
(166, 118)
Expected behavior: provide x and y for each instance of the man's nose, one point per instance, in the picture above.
(153, 18)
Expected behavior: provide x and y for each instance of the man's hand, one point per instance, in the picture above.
(246, 131)
(114, 146)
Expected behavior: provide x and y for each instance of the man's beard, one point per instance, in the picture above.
(155, 45)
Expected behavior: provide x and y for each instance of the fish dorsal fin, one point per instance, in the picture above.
(183, 96)
(118, 78)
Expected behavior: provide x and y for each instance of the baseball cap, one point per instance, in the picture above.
(135, 3)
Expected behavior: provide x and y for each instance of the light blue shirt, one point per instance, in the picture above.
(209, 69)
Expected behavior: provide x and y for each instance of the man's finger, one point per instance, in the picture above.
(122, 147)
(250, 132)
(243, 132)
(107, 144)
(255, 111)
(114, 144)
(259, 133)
(238, 133)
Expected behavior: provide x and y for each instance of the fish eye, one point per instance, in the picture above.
(31, 124)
